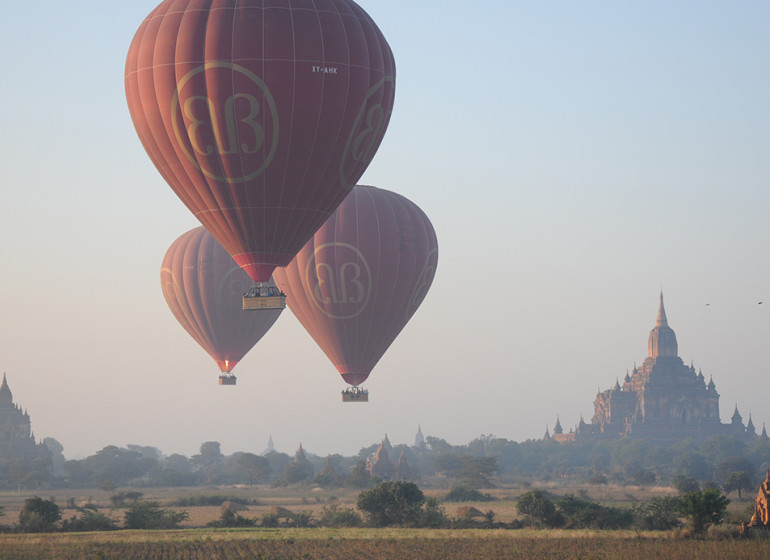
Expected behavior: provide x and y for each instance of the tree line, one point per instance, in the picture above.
(722, 462)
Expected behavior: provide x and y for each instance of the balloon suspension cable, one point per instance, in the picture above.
(355, 394)
(264, 295)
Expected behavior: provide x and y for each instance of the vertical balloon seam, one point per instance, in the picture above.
(151, 143)
(191, 325)
(389, 201)
(226, 208)
(206, 257)
(197, 307)
(244, 215)
(198, 202)
(190, 177)
(328, 194)
(282, 246)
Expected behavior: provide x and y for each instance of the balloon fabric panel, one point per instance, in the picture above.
(260, 116)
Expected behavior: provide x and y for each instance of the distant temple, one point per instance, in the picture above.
(380, 466)
(17, 442)
(664, 400)
(761, 517)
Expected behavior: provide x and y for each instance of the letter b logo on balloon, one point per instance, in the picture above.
(339, 279)
(216, 130)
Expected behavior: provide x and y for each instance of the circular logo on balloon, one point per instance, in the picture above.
(367, 132)
(423, 283)
(339, 280)
(229, 132)
(233, 285)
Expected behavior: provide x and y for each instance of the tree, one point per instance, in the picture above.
(704, 507)
(692, 464)
(476, 472)
(643, 477)
(247, 466)
(359, 477)
(392, 503)
(149, 515)
(661, 513)
(38, 515)
(57, 455)
(738, 480)
(734, 464)
(536, 506)
(89, 520)
(684, 484)
(209, 462)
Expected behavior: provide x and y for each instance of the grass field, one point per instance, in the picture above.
(322, 544)
(195, 541)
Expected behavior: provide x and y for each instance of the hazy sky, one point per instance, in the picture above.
(575, 158)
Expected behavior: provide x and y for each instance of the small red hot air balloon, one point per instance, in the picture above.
(361, 277)
(261, 116)
(203, 288)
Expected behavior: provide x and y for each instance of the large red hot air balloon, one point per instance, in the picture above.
(203, 288)
(261, 115)
(361, 277)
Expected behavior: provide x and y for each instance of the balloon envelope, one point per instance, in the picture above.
(203, 287)
(361, 277)
(261, 116)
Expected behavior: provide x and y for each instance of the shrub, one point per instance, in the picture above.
(210, 500)
(466, 494)
(334, 516)
(38, 515)
(536, 507)
(230, 518)
(580, 513)
(149, 515)
(270, 520)
(89, 520)
(661, 514)
(392, 503)
(703, 508)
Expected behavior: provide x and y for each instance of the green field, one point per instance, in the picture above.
(195, 541)
(318, 544)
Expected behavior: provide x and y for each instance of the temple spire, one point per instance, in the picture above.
(661, 321)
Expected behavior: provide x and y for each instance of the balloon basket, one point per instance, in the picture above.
(355, 395)
(264, 295)
(227, 379)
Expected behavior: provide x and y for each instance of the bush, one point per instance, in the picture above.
(392, 503)
(579, 513)
(122, 498)
(333, 516)
(661, 514)
(38, 515)
(432, 515)
(270, 520)
(229, 518)
(536, 507)
(148, 515)
(703, 508)
(466, 494)
(89, 520)
(210, 500)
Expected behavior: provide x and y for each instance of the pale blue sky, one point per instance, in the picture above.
(574, 157)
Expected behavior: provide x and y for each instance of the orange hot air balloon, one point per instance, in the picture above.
(361, 277)
(261, 116)
(203, 286)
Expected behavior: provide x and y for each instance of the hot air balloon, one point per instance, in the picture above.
(361, 277)
(203, 286)
(261, 116)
